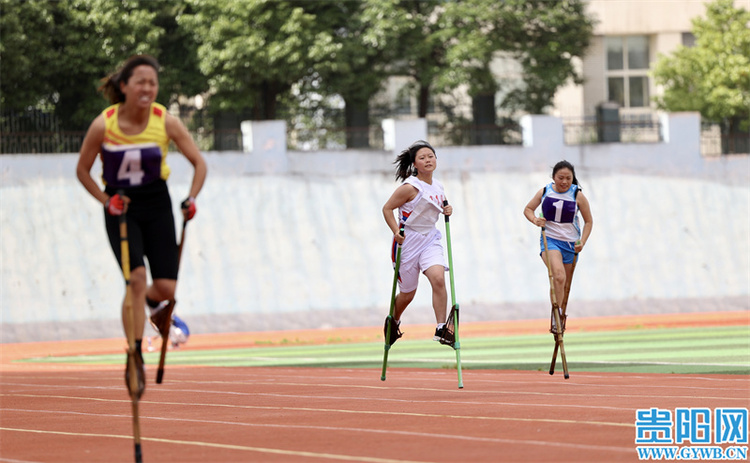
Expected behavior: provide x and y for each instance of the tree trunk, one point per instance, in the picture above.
(270, 92)
(485, 128)
(357, 124)
(424, 100)
(734, 140)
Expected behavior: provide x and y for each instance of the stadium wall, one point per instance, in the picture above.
(287, 240)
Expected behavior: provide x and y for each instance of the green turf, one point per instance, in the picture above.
(723, 350)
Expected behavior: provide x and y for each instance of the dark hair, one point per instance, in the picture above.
(405, 160)
(565, 165)
(111, 84)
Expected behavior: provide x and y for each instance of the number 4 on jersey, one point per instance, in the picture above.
(130, 167)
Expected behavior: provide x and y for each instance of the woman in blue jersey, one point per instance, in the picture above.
(132, 138)
(419, 201)
(561, 202)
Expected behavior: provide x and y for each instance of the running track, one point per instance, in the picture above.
(64, 413)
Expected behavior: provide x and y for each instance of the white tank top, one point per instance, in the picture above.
(419, 217)
(422, 213)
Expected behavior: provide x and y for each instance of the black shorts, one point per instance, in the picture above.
(151, 230)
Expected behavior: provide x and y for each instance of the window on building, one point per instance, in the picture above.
(627, 70)
(403, 103)
(688, 39)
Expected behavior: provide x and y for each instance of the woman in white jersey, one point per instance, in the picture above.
(419, 201)
(561, 201)
(132, 137)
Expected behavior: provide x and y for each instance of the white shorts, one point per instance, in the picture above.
(408, 271)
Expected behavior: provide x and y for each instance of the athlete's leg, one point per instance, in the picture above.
(161, 289)
(408, 279)
(436, 275)
(402, 301)
(160, 247)
(138, 282)
(558, 273)
(568, 274)
(138, 292)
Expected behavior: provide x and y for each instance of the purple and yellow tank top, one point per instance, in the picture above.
(135, 160)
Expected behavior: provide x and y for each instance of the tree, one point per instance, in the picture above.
(421, 47)
(366, 35)
(177, 52)
(25, 43)
(94, 38)
(54, 53)
(551, 34)
(249, 54)
(471, 33)
(542, 36)
(713, 77)
(253, 51)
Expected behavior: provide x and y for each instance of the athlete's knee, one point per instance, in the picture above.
(559, 276)
(436, 275)
(163, 289)
(405, 298)
(138, 279)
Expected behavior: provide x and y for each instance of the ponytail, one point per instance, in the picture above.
(405, 159)
(110, 86)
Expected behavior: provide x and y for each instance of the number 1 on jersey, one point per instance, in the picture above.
(558, 205)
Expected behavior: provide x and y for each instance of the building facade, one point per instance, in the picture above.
(629, 37)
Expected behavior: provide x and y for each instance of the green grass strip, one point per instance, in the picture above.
(715, 350)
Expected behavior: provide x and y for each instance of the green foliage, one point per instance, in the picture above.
(421, 47)
(177, 52)
(366, 36)
(267, 58)
(25, 41)
(713, 77)
(542, 36)
(93, 38)
(55, 52)
(253, 51)
(553, 34)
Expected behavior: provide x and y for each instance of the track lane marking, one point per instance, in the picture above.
(363, 430)
(463, 391)
(343, 411)
(451, 391)
(296, 453)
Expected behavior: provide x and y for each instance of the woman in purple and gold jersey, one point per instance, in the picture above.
(561, 201)
(132, 139)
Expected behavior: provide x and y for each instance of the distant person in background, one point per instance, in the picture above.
(132, 138)
(419, 200)
(561, 201)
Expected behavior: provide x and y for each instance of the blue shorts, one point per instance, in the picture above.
(566, 248)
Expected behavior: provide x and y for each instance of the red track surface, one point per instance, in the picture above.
(65, 413)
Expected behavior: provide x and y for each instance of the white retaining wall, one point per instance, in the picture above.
(304, 238)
